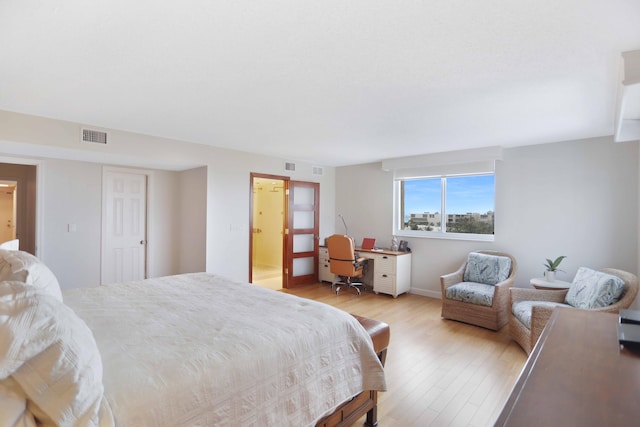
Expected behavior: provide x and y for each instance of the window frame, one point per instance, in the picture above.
(397, 208)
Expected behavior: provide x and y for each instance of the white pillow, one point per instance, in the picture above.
(52, 355)
(594, 289)
(26, 268)
(486, 269)
(11, 245)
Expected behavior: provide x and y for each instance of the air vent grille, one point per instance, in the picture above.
(317, 170)
(290, 166)
(94, 136)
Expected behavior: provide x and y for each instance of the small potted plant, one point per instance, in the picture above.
(552, 267)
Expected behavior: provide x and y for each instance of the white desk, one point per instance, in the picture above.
(324, 274)
(388, 272)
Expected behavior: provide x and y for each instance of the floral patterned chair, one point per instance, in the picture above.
(478, 292)
(607, 290)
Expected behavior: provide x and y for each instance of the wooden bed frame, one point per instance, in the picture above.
(367, 401)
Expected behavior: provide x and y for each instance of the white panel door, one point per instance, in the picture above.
(124, 227)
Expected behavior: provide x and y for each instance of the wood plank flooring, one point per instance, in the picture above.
(439, 372)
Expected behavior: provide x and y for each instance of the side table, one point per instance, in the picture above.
(556, 285)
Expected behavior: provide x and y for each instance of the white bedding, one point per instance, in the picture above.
(50, 367)
(198, 349)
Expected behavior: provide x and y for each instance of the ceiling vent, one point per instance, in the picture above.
(290, 166)
(317, 170)
(94, 136)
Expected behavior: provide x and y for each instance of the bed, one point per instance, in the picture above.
(192, 349)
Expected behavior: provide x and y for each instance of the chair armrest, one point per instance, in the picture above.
(613, 308)
(505, 284)
(501, 294)
(527, 294)
(539, 317)
(361, 263)
(452, 278)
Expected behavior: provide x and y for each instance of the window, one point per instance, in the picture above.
(455, 206)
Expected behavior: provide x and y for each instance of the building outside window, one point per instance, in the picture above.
(454, 206)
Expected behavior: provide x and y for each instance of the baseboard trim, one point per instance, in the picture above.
(426, 293)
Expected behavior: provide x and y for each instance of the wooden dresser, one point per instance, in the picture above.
(577, 375)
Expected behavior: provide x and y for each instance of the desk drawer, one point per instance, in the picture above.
(324, 269)
(385, 264)
(385, 283)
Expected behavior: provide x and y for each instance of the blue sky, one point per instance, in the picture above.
(464, 194)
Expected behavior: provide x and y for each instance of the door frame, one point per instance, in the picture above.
(9, 205)
(38, 223)
(287, 235)
(286, 180)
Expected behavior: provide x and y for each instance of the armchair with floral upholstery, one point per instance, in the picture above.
(607, 290)
(478, 292)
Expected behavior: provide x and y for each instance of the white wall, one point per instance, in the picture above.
(228, 206)
(193, 218)
(72, 194)
(226, 190)
(575, 198)
(163, 222)
(578, 199)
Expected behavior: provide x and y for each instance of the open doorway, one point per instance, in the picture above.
(8, 193)
(268, 219)
(284, 223)
(22, 211)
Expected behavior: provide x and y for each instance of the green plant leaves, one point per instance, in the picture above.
(553, 265)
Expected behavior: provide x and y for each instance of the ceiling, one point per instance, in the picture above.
(329, 82)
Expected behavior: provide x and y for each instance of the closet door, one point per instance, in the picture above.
(124, 227)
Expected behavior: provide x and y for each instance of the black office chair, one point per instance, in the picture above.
(343, 262)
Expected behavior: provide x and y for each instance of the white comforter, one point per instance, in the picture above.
(198, 349)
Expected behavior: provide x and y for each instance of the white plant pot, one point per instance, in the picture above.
(550, 276)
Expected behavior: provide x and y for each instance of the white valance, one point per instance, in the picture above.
(463, 162)
(488, 166)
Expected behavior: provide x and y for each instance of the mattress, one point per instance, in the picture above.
(200, 349)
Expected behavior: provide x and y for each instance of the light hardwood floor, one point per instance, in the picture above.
(439, 372)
